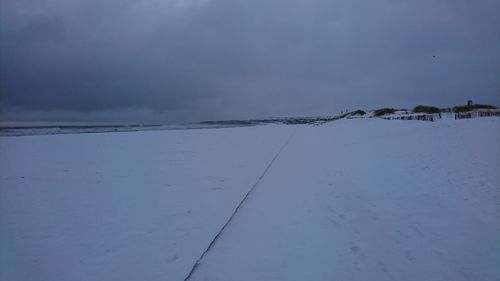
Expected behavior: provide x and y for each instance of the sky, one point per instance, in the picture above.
(173, 61)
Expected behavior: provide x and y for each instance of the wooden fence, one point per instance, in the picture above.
(476, 114)
(433, 117)
(419, 117)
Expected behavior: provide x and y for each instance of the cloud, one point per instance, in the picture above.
(181, 60)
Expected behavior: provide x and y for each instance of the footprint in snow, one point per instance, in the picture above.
(409, 255)
(335, 223)
(355, 249)
(172, 259)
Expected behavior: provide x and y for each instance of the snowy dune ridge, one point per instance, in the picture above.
(359, 199)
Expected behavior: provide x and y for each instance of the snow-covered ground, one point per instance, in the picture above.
(361, 199)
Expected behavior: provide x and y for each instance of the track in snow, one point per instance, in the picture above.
(212, 243)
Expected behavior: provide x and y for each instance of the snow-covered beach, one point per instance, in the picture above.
(360, 199)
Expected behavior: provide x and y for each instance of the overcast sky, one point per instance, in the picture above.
(184, 60)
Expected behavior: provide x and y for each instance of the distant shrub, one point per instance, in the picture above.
(426, 109)
(384, 111)
(467, 108)
(359, 112)
(483, 106)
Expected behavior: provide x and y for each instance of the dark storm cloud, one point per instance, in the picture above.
(181, 59)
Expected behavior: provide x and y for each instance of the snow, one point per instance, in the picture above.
(359, 199)
(122, 206)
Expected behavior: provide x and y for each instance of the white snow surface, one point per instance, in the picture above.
(360, 199)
